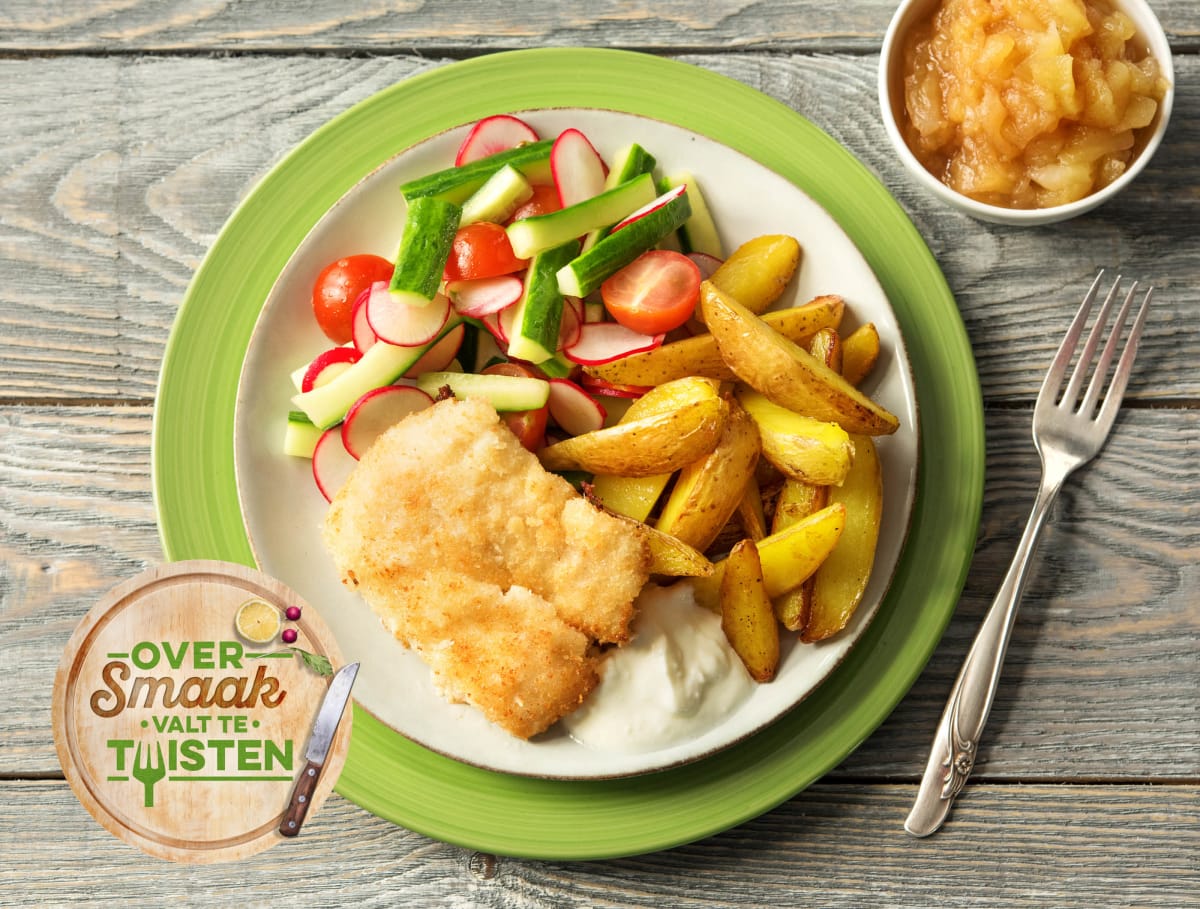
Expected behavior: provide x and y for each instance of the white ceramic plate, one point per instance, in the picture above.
(282, 508)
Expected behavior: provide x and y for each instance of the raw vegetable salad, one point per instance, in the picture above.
(526, 260)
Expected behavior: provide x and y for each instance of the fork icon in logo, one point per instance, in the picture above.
(148, 771)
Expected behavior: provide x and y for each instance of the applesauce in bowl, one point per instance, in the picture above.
(1040, 108)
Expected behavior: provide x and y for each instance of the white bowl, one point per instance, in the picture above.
(891, 101)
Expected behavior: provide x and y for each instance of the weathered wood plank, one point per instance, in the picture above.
(1101, 675)
(117, 172)
(462, 25)
(834, 845)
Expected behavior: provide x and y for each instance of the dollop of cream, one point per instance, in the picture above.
(677, 679)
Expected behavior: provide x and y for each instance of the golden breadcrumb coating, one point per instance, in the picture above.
(496, 572)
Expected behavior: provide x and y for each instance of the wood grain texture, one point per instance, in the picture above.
(1100, 679)
(389, 26)
(832, 846)
(102, 226)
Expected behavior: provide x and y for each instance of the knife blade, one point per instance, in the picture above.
(319, 741)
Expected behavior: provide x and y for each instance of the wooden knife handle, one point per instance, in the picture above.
(302, 795)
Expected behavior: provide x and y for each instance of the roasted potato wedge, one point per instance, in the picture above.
(707, 492)
(750, 510)
(635, 497)
(656, 444)
(756, 273)
(670, 557)
(839, 584)
(787, 557)
(826, 346)
(860, 352)
(699, 356)
(786, 373)
(803, 448)
(797, 500)
(746, 614)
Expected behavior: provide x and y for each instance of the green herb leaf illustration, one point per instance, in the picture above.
(314, 661)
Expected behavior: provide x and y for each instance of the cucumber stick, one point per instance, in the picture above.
(456, 184)
(529, 236)
(586, 272)
(381, 365)
(498, 198)
(505, 393)
(429, 229)
(629, 162)
(301, 435)
(539, 311)
(699, 232)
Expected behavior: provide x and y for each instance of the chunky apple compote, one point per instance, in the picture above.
(1027, 103)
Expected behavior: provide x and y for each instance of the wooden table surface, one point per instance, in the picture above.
(130, 130)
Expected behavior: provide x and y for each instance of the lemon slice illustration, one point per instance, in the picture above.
(257, 621)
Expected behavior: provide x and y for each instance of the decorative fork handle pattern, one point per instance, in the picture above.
(956, 741)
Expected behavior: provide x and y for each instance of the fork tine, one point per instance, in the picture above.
(1071, 395)
(137, 756)
(1100, 373)
(1116, 391)
(1062, 359)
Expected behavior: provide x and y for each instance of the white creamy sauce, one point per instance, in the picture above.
(677, 679)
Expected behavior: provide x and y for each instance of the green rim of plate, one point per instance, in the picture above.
(200, 518)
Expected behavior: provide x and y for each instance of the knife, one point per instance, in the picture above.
(324, 728)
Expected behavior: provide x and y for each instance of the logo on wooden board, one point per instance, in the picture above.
(184, 704)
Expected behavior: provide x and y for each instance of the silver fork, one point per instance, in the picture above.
(1066, 433)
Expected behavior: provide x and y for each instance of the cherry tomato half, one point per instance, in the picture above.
(338, 286)
(481, 250)
(654, 293)
(543, 201)
(529, 426)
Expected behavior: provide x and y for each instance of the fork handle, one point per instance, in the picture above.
(957, 738)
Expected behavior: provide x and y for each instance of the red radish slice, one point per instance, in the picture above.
(492, 324)
(603, 342)
(327, 365)
(573, 409)
(441, 354)
(572, 322)
(403, 324)
(673, 193)
(484, 296)
(706, 263)
(504, 321)
(597, 386)
(493, 134)
(364, 336)
(577, 168)
(378, 410)
(331, 463)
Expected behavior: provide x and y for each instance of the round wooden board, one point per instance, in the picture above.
(179, 736)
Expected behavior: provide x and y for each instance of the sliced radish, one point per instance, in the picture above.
(441, 354)
(597, 386)
(404, 324)
(493, 134)
(505, 320)
(577, 168)
(572, 322)
(364, 335)
(492, 324)
(376, 411)
(484, 296)
(573, 409)
(707, 264)
(673, 193)
(331, 463)
(603, 342)
(328, 365)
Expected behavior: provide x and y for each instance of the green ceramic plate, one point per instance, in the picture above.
(197, 501)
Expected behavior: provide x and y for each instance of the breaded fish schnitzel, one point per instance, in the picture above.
(495, 571)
